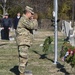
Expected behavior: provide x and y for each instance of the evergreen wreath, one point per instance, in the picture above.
(47, 45)
(68, 53)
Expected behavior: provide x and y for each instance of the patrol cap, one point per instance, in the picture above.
(6, 14)
(29, 9)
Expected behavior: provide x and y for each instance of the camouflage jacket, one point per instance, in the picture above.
(23, 32)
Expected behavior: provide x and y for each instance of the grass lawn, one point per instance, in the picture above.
(39, 63)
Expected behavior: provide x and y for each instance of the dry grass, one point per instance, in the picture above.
(38, 63)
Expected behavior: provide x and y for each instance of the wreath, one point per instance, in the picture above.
(68, 53)
(47, 45)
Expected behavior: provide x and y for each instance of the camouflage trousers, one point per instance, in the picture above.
(23, 57)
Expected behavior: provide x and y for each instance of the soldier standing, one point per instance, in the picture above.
(24, 36)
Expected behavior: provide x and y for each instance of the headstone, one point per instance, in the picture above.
(66, 26)
(68, 32)
(63, 28)
(72, 38)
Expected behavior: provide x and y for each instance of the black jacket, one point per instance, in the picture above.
(16, 22)
(6, 23)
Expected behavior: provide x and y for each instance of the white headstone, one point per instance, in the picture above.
(72, 38)
(68, 32)
(66, 26)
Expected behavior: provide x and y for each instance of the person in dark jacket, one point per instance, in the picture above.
(6, 24)
(16, 19)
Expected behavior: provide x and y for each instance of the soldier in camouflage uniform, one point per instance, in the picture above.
(24, 36)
